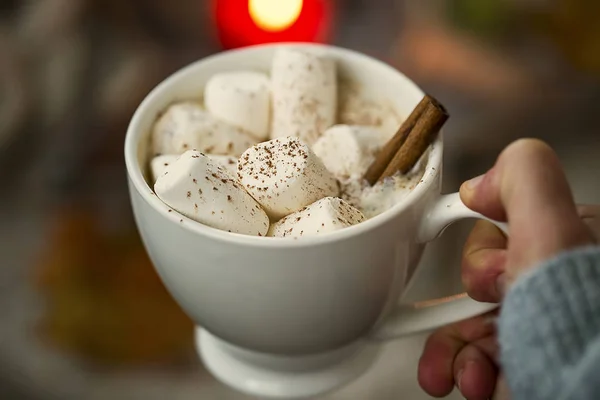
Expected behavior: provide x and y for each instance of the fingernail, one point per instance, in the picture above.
(472, 183)
(459, 378)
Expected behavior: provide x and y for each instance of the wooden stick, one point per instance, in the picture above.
(386, 154)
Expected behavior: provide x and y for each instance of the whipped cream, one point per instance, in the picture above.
(201, 189)
(304, 93)
(284, 175)
(326, 215)
(376, 199)
(242, 99)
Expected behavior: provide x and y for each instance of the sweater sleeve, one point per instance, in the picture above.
(549, 330)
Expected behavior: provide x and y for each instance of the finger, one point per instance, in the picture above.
(529, 186)
(502, 391)
(436, 371)
(483, 261)
(590, 214)
(475, 370)
(588, 211)
(436, 364)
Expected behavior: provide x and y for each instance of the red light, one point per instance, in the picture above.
(236, 27)
(274, 15)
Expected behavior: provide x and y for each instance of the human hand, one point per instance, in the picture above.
(526, 187)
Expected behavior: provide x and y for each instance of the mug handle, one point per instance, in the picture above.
(407, 319)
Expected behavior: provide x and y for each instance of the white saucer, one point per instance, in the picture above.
(279, 377)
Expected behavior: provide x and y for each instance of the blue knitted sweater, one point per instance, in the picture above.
(549, 330)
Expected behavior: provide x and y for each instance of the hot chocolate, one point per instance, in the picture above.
(307, 180)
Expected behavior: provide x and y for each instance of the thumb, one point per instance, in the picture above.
(528, 188)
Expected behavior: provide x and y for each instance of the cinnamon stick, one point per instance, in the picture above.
(410, 142)
(420, 137)
(386, 154)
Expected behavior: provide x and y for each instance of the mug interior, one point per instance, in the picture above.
(374, 78)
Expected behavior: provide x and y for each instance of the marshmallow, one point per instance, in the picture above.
(348, 151)
(227, 162)
(159, 164)
(304, 91)
(201, 189)
(284, 175)
(359, 107)
(242, 99)
(326, 215)
(187, 126)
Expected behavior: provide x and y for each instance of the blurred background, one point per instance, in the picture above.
(82, 313)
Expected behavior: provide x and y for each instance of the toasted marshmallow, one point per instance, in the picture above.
(284, 175)
(201, 189)
(187, 126)
(242, 99)
(159, 164)
(325, 215)
(304, 91)
(348, 151)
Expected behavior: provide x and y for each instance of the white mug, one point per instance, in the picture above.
(286, 318)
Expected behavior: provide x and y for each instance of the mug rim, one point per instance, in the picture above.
(136, 177)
